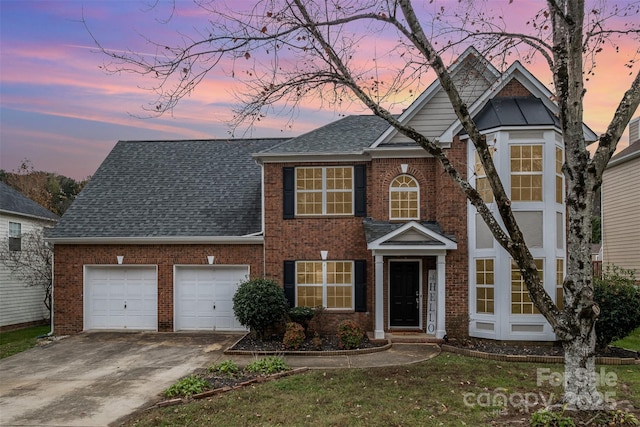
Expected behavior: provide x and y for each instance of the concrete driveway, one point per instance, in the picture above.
(94, 379)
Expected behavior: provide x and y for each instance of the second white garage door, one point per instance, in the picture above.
(203, 297)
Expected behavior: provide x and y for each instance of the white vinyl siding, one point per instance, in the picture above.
(19, 303)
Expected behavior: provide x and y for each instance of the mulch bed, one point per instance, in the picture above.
(535, 350)
(329, 343)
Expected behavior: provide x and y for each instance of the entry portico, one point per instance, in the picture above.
(399, 251)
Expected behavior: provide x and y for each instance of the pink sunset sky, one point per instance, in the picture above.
(62, 112)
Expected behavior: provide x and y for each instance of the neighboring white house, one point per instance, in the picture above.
(621, 205)
(20, 304)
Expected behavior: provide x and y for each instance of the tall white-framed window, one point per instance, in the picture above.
(15, 236)
(326, 283)
(485, 285)
(404, 198)
(520, 301)
(559, 176)
(482, 183)
(559, 282)
(526, 172)
(324, 190)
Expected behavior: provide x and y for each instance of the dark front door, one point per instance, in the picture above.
(404, 293)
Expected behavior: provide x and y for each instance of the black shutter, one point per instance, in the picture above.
(288, 193)
(290, 282)
(361, 285)
(360, 187)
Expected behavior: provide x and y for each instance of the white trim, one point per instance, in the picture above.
(379, 297)
(357, 156)
(324, 283)
(187, 240)
(445, 244)
(402, 152)
(20, 214)
(420, 293)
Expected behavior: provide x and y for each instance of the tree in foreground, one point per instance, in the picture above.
(313, 49)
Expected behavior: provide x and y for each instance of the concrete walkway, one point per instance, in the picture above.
(94, 379)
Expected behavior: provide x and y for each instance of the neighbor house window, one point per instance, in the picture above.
(559, 281)
(559, 176)
(526, 172)
(15, 236)
(331, 287)
(482, 183)
(324, 191)
(404, 198)
(520, 301)
(485, 280)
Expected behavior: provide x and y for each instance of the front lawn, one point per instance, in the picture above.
(13, 342)
(444, 391)
(630, 342)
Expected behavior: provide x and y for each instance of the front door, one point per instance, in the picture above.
(404, 295)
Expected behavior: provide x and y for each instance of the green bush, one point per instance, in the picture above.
(619, 300)
(226, 367)
(187, 386)
(259, 304)
(349, 335)
(267, 366)
(294, 336)
(302, 315)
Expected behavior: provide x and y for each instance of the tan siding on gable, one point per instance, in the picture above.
(438, 114)
(621, 215)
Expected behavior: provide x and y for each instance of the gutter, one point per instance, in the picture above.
(229, 240)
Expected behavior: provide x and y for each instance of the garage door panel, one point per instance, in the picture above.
(203, 297)
(121, 297)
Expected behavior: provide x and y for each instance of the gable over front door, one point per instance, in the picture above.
(404, 294)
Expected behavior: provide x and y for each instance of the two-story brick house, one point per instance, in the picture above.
(352, 216)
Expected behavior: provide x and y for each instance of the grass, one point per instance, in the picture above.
(13, 342)
(630, 342)
(447, 390)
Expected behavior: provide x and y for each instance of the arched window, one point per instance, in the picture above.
(404, 198)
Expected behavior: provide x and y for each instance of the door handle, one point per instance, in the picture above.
(214, 305)
(125, 305)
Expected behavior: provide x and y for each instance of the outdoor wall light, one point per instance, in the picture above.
(324, 254)
(120, 258)
(211, 259)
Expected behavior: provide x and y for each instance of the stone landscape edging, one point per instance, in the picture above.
(532, 358)
(305, 353)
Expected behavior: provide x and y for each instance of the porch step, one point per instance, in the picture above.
(413, 337)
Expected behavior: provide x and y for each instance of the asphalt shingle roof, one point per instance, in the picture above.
(376, 229)
(348, 135)
(170, 189)
(15, 202)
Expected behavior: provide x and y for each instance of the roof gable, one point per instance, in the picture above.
(14, 202)
(431, 112)
(402, 236)
(172, 190)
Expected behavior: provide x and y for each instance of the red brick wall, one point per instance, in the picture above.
(451, 214)
(70, 259)
(513, 88)
(304, 238)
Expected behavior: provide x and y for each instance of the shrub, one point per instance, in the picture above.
(187, 386)
(268, 365)
(349, 335)
(302, 315)
(226, 367)
(294, 335)
(259, 304)
(619, 301)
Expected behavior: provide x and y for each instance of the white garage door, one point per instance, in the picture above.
(204, 297)
(121, 297)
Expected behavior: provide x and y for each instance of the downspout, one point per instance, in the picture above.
(262, 220)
